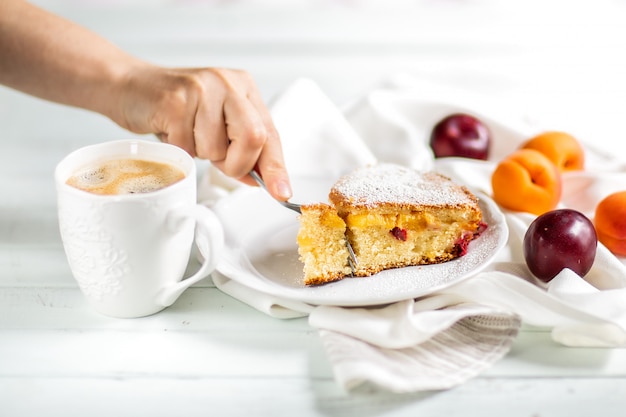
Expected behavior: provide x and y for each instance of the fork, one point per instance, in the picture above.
(352, 261)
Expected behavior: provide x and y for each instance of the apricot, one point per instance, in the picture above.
(610, 222)
(561, 148)
(527, 181)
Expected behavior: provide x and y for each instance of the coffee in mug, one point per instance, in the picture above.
(125, 176)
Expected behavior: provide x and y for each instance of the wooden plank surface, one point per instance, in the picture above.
(209, 351)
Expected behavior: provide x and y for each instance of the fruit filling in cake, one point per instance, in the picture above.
(392, 216)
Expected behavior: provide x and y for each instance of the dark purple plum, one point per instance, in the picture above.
(461, 135)
(558, 239)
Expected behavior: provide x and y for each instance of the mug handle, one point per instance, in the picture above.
(210, 241)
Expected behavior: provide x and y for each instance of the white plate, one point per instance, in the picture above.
(261, 253)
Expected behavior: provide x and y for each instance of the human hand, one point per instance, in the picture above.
(214, 114)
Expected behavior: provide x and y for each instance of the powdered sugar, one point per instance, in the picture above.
(391, 183)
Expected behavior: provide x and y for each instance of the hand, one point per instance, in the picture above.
(214, 114)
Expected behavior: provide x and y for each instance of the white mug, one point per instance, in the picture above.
(129, 252)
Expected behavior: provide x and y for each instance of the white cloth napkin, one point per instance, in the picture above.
(441, 340)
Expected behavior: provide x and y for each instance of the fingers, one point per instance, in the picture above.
(254, 142)
(213, 114)
(247, 135)
(253, 139)
(209, 129)
(272, 169)
(271, 163)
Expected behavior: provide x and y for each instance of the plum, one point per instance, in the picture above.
(557, 239)
(461, 135)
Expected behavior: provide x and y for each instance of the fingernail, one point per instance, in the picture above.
(283, 189)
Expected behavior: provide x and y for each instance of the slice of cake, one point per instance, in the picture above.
(393, 217)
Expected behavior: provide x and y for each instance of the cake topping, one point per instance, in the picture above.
(393, 183)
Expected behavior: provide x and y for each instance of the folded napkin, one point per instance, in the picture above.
(442, 339)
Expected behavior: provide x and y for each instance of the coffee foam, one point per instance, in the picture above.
(125, 176)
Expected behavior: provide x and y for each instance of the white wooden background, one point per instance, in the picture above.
(560, 61)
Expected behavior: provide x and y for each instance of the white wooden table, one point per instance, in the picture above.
(212, 355)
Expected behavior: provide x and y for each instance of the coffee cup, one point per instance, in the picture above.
(128, 248)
